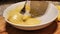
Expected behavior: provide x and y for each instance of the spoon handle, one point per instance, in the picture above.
(23, 10)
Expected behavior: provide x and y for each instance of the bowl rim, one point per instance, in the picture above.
(31, 25)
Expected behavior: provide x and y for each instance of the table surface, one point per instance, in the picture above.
(53, 28)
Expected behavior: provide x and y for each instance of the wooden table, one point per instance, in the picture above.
(53, 28)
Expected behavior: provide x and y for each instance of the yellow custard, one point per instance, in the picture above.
(58, 7)
(15, 10)
(32, 21)
(17, 18)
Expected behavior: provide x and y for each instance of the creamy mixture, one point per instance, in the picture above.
(16, 17)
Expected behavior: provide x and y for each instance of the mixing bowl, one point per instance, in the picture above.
(49, 16)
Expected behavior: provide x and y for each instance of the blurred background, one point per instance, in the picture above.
(24, 0)
(14, 1)
(5, 3)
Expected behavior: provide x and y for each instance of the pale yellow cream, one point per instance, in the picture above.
(16, 17)
(58, 7)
